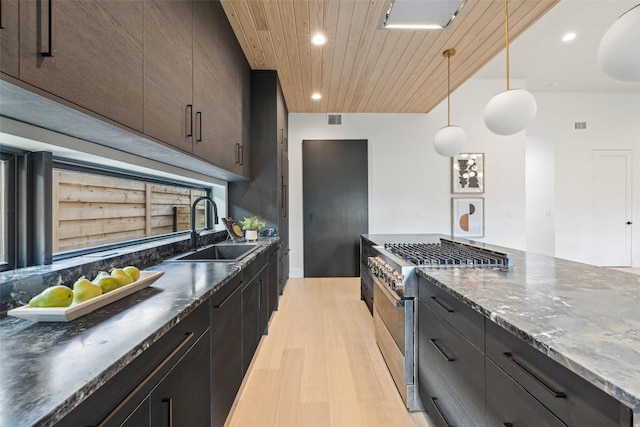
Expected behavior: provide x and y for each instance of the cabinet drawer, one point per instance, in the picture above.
(568, 396)
(468, 322)
(510, 404)
(442, 405)
(459, 363)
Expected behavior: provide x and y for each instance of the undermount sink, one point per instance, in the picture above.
(220, 252)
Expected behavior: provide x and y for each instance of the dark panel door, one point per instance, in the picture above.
(335, 199)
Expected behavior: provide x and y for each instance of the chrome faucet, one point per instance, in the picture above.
(194, 231)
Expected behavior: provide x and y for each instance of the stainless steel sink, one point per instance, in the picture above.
(220, 252)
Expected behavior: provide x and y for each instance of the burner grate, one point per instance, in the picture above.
(447, 254)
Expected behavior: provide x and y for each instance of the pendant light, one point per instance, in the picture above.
(449, 140)
(619, 52)
(509, 112)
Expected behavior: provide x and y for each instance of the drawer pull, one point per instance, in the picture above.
(443, 305)
(168, 403)
(445, 355)
(434, 400)
(507, 424)
(554, 393)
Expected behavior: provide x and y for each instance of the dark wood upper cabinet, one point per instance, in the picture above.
(88, 52)
(220, 89)
(168, 65)
(9, 52)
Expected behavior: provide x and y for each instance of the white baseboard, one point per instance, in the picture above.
(296, 272)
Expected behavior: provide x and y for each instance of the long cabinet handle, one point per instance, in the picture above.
(168, 403)
(443, 305)
(284, 199)
(241, 155)
(434, 400)
(188, 337)
(224, 301)
(259, 285)
(189, 120)
(530, 374)
(507, 425)
(237, 153)
(1, 15)
(199, 125)
(441, 351)
(49, 51)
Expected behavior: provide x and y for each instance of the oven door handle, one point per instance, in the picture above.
(393, 299)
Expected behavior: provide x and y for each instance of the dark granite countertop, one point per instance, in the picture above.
(47, 369)
(584, 317)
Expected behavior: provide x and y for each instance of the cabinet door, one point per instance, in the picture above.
(88, 52)
(272, 297)
(263, 302)
(226, 354)
(182, 398)
(168, 68)
(250, 297)
(9, 51)
(140, 417)
(510, 404)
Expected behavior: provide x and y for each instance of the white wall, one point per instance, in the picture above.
(613, 122)
(548, 209)
(409, 184)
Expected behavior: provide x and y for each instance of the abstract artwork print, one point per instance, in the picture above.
(467, 173)
(467, 217)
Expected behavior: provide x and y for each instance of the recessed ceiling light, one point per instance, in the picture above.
(568, 37)
(316, 96)
(319, 39)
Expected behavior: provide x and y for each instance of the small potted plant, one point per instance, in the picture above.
(251, 226)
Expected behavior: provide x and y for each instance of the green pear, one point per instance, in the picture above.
(84, 290)
(106, 282)
(54, 296)
(133, 272)
(121, 276)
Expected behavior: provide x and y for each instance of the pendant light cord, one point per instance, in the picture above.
(448, 90)
(506, 30)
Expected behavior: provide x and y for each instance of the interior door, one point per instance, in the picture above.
(612, 207)
(335, 206)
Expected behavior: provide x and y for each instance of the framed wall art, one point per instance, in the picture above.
(467, 217)
(467, 173)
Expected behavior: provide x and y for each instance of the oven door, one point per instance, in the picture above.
(389, 325)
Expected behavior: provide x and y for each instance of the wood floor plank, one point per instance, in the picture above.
(320, 365)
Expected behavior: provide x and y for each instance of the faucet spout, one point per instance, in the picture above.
(194, 231)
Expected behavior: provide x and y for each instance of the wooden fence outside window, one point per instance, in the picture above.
(91, 210)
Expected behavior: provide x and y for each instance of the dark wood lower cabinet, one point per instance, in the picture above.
(473, 372)
(510, 404)
(226, 352)
(141, 416)
(182, 396)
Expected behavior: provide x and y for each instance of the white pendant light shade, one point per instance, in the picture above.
(619, 50)
(510, 112)
(449, 140)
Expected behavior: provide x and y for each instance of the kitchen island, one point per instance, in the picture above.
(585, 319)
(48, 370)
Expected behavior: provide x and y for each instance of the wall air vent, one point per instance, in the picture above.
(334, 119)
(580, 125)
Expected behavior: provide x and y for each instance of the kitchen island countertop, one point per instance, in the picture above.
(584, 317)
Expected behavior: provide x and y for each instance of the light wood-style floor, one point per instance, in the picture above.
(320, 365)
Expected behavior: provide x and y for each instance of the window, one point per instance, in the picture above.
(91, 208)
(8, 177)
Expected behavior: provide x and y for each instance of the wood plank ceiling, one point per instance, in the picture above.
(363, 68)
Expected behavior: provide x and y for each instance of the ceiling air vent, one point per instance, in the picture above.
(335, 119)
(580, 125)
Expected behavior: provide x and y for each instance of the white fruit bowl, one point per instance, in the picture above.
(66, 314)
